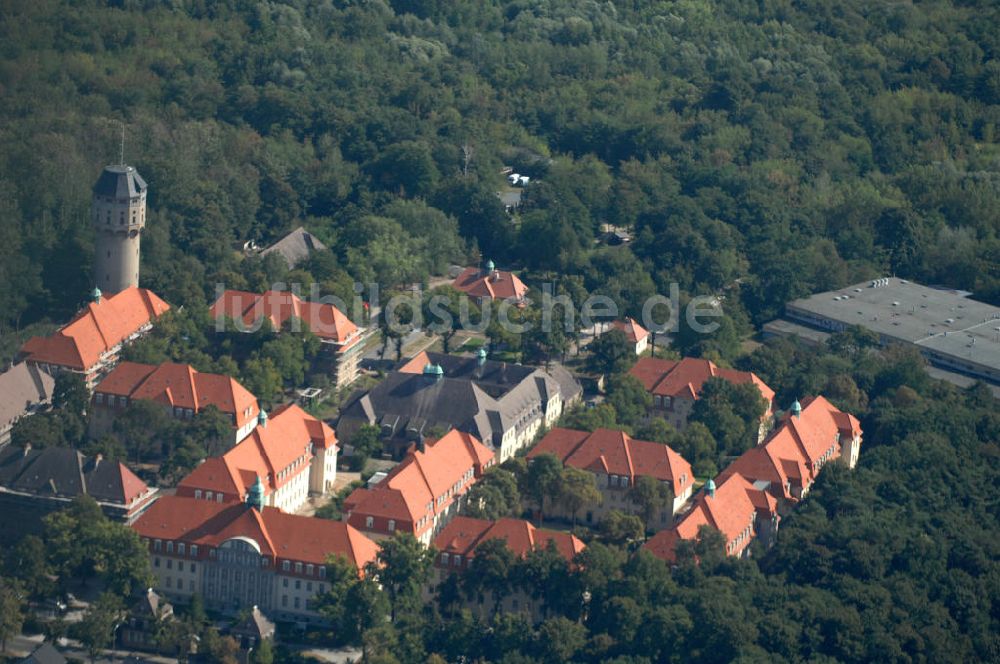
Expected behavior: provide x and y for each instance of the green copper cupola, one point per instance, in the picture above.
(255, 496)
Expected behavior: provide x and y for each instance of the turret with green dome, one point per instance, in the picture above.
(796, 409)
(255, 496)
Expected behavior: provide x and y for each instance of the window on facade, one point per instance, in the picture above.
(194, 550)
(197, 494)
(191, 585)
(194, 568)
(170, 547)
(157, 544)
(156, 561)
(284, 600)
(218, 497)
(309, 586)
(322, 574)
(99, 398)
(309, 570)
(168, 582)
(170, 563)
(285, 565)
(209, 495)
(297, 602)
(392, 525)
(369, 522)
(298, 568)
(298, 584)
(444, 558)
(180, 548)
(284, 583)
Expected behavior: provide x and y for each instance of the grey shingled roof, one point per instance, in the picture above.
(44, 654)
(119, 182)
(60, 472)
(483, 400)
(295, 247)
(21, 387)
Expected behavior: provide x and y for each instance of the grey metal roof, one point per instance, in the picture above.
(946, 324)
(120, 182)
(295, 247)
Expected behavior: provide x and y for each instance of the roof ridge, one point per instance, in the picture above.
(628, 452)
(194, 386)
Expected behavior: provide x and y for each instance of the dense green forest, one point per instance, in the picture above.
(763, 149)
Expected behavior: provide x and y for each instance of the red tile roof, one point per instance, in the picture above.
(684, 378)
(181, 386)
(792, 456)
(463, 535)
(616, 453)
(419, 481)
(730, 511)
(792, 453)
(499, 285)
(634, 332)
(98, 328)
(279, 536)
(324, 320)
(268, 449)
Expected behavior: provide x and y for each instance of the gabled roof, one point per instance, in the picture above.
(634, 333)
(98, 328)
(44, 654)
(791, 453)
(498, 285)
(22, 387)
(684, 378)
(150, 604)
(66, 473)
(464, 534)
(256, 624)
(755, 480)
(421, 479)
(730, 511)
(295, 247)
(181, 386)
(616, 453)
(268, 449)
(324, 320)
(277, 534)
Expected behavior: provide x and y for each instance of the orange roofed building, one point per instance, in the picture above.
(424, 491)
(91, 343)
(456, 545)
(327, 322)
(489, 283)
(293, 453)
(179, 388)
(747, 500)
(636, 335)
(676, 384)
(618, 460)
(238, 555)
